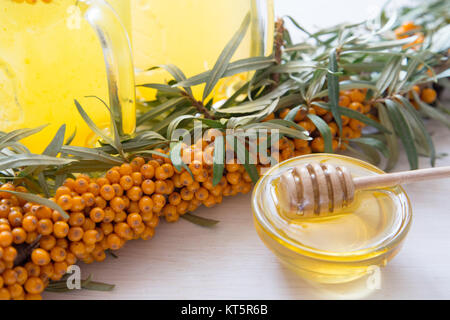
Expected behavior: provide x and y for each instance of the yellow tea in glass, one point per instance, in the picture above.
(191, 35)
(55, 51)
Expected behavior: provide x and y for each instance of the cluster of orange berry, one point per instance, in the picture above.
(409, 29)
(427, 95)
(353, 99)
(125, 204)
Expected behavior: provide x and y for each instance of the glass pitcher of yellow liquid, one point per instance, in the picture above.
(191, 35)
(55, 51)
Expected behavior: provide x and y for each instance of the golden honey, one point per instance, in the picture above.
(339, 248)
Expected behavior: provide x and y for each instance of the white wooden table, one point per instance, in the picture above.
(184, 261)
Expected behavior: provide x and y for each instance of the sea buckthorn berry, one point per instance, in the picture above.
(47, 242)
(34, 285)
(65, 202)
(60, 268)
(81, 185)
(62, 242)
(210, 202)
(31, 237)
(97, 214)
(89, 199)
(120, 216)
(356, 125)
(347, 133)
(69, 183)
(9, 277)
(232, 167)
(16, 290)
(357, 106)
(318, 145)
(217, 190)
(94, 188)
(126, 182)
(158, 200)
(6, 238)
(102, 181)
(148, 233)
(117, 204)
(134, 220)
(186, 178)
(202, 194)
(135, 193)
(77, 248)
(75, 234)
(4, 210)
(125, 170)
(107, 228)
(147, 171)
(76, 219)
(33, 270)
(78, 203)
(186, 194)
(71, 259)
(196, 167)
(4, 294)
(118, 190)
(19, 235)
(58, 254)
(9, 254)
(100, 202)
(357, 96)
(193, 187)
(174, 198)
(137, 163)
(29, 223)
(90, 237)
(107, 192)
(344, 100)
(113, 241)
(233, 177)
(148, 186)
(15, 218)
(60, 229)
(146, 204)
(109, 215)
(345, 120)
(113, 176)
(123, 230)
(182, 207)
(428, 95)
(161, 186)
(40, 257)
(42, 212)
(170, 213)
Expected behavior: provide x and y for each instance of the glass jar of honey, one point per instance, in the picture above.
(337, 248)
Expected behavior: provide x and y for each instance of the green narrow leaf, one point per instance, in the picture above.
(373, 142)
(324, 130)
(178, 75)
(159, 110)
(19, 134)
(219, 159)
(91, 154)
(420, 126)
(26, 160)
(222, 62)
(391, 139)
(389, 74)
(175, 155)
(333, 88)
(57, 142)
(71, 137)
(402, 129)
(43, 183)
(37, 199)
(161, 87)
(200, 221)
(92, 125)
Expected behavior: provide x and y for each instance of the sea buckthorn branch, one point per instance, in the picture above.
(384, 77)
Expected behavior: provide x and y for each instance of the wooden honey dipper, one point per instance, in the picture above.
(315, 189)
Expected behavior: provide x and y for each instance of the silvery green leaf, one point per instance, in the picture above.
(159, 110)
(222, 62)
